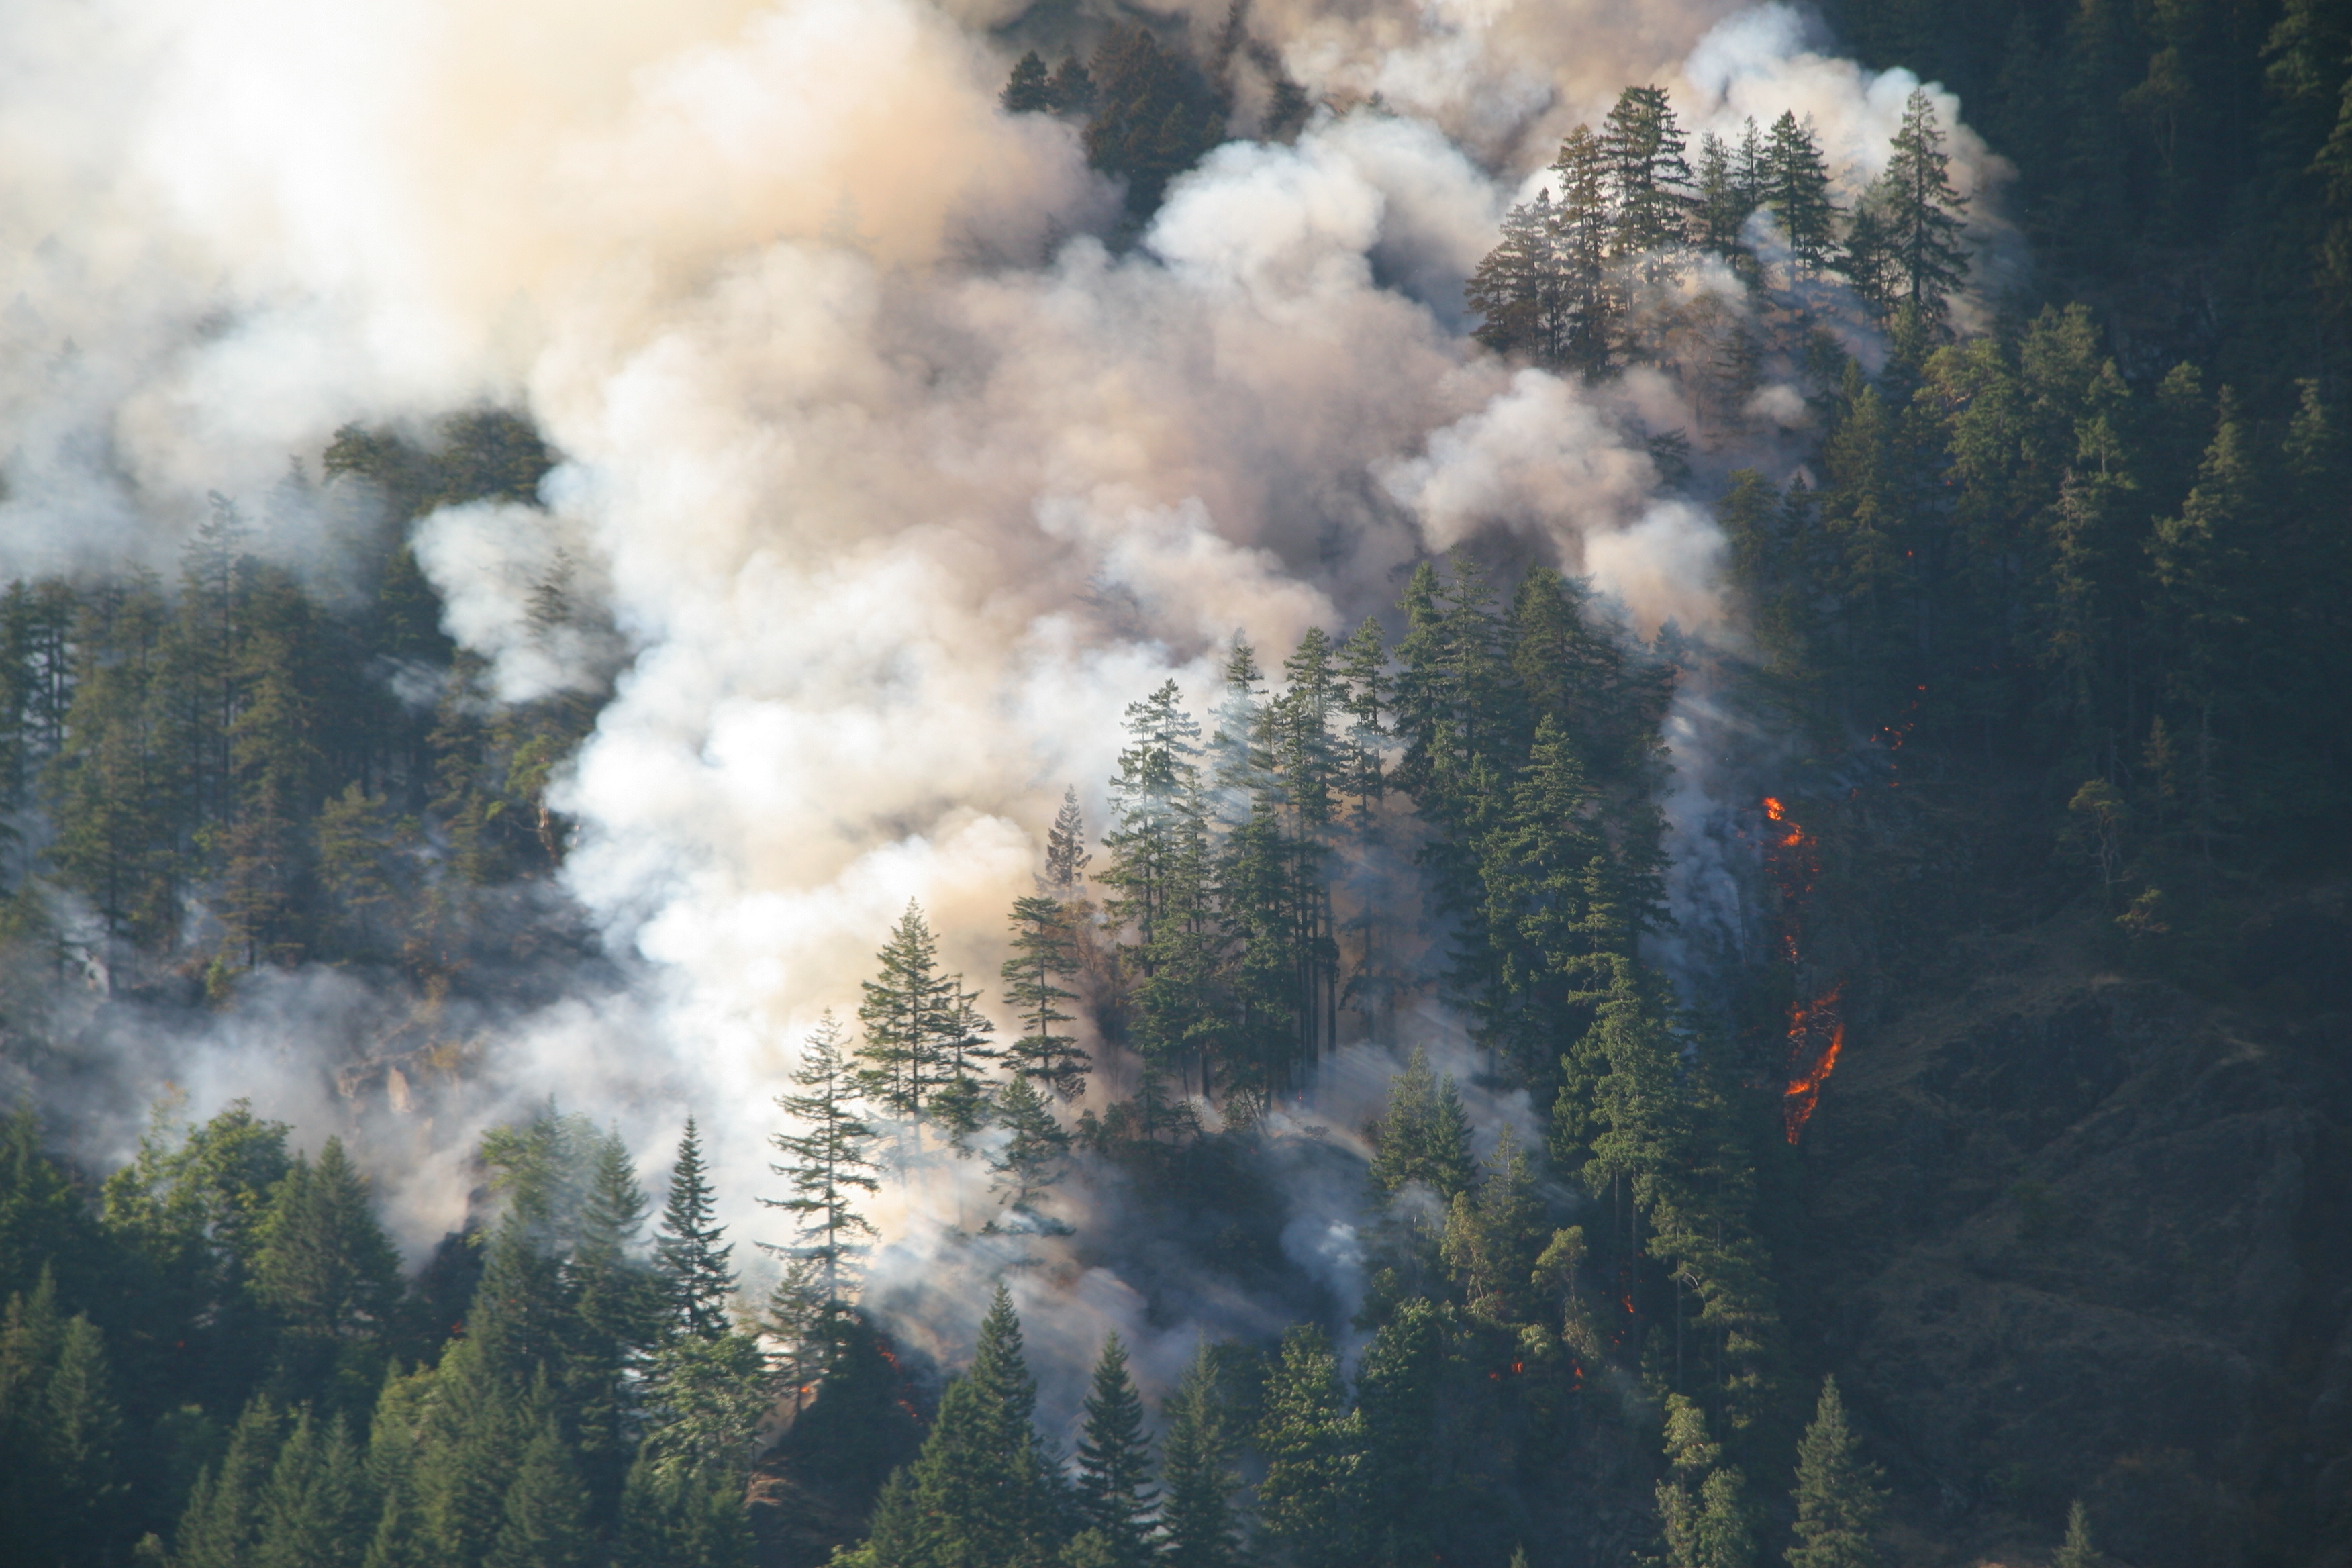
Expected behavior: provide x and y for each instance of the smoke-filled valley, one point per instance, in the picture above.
(934, 784)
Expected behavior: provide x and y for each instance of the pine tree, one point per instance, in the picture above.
(1494, 1236)
(1066, 848)
(1114, 1494)
(1308, 1500)
(687, 1248)
(1521, 291)
(544, 1517)
(1702, 1515)
(324, 1264)
(1029, 1162)
(1921, 211)
(221, 1527)
(1398, 1389)
(1837, 1493)
(906, 1015)
(1072, 88)
(1649, 182)
(1585, 244)
(1197, 1523)
(1718, 211)
(1797, 187)
(1426, 1136)
(617, 1296)
(1044, 951)
(315, 1510)
(1027, 90)
(2076, 1551)
(1156, 795)
(829, 1150)
(979, 1494)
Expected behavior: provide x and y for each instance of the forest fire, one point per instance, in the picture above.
(1793, 860)
(1816, 1034)
(1816, 1028)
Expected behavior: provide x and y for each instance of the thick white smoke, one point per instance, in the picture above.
(895, 478)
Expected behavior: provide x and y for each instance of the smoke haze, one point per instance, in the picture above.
(895, 468)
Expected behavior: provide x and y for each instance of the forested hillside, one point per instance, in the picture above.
(1975, 1191)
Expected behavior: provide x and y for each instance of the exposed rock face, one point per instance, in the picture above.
(2079, 1235)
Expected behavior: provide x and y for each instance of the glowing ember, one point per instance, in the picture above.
(1816, 1028)
(1816, 1035)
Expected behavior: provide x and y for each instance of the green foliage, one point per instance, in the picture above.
(1044, 950)
(1702, 1515)
(1154, 113)
(1199, 1528)
(1837, 1493)
(323, 1263)
(979, 1495)
(543, 1522)
(689, 1250)
(908, 1016)
(1312, 1444)
(1426, 1136)
(2076, 1551)
(1115, 1495)
(831, 1165)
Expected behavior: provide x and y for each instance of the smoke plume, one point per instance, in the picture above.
(895, 467)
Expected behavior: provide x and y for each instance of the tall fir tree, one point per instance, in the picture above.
(1114, 1494)
(1198, 1525)
(829, 1166)
(1307, 1502)
(979, 1495)
(907, 1016)
(1837, 1493)
(690, 1248)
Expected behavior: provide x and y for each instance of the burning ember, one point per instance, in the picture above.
(1816, 1028)
(1816, 1035)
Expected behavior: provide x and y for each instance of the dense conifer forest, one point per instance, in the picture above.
(2044, 635)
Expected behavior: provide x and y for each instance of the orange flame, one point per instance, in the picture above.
(1808, 1022)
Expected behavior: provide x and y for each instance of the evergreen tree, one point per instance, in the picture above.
(1494, 1236)
(1307, 1502)
(1426, 1136)
(323, 1263)
(1027, 90)
(617, 1296)
(1072, 88)
(979, 1495)
(829, 1150)
(1649, 182)
(907, 1015)
(1044, 951)
(222, 1525)
(1197, 1523)
(543, 1521)
(1921, 211)
(1702, 1515)
(688, 1247)
(1719, 208)
(316, 1511)
(1398, 1391)
(1030, 1161)
(2076, 1551)
(1066, 848)
(1797, 187)
(1837, 1493)
(1115, 1495)
(1520, 288)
